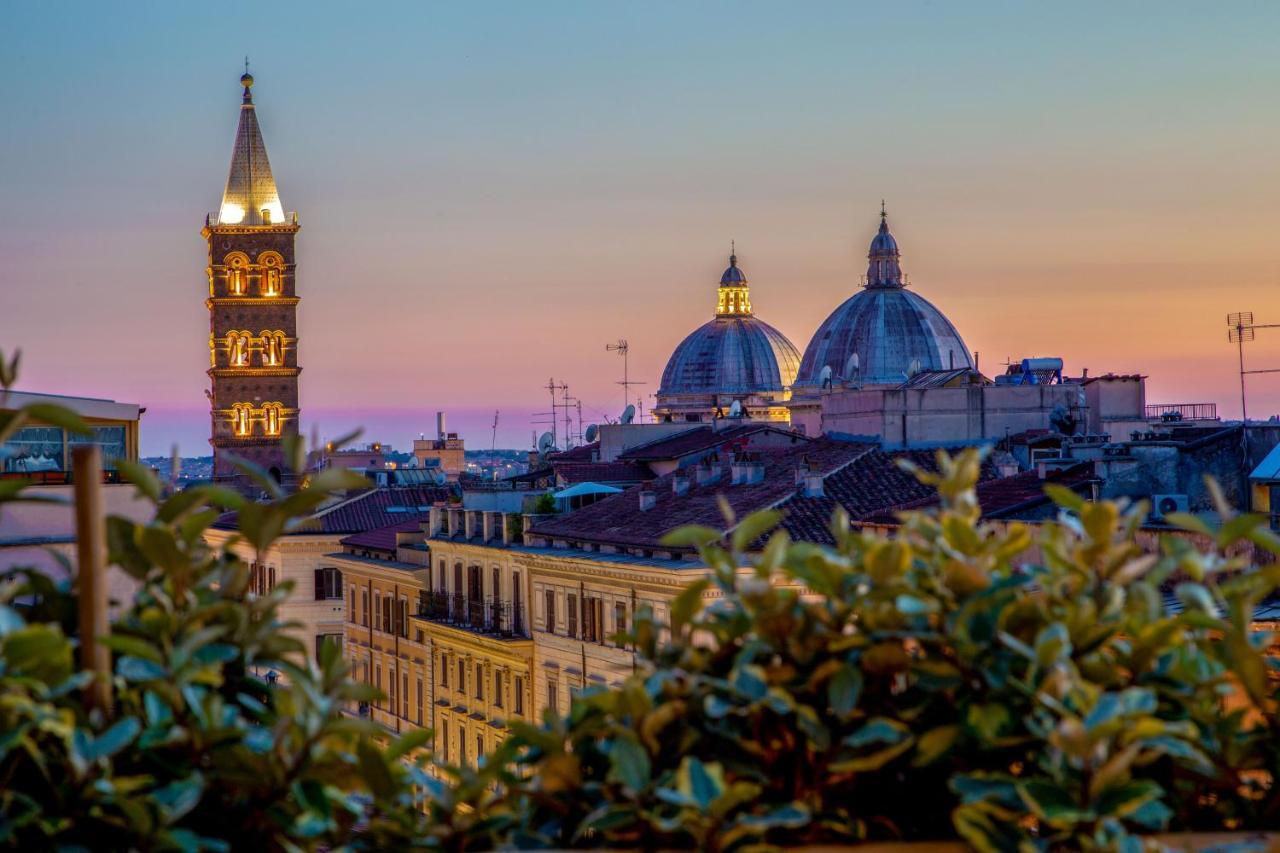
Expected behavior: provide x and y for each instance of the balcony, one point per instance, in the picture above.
(489, 616)
(1179, 412)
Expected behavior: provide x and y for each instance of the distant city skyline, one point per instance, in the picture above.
(488, 197)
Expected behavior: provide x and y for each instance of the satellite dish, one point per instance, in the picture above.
(593, 430)
(852, 366)
(438, 477)
(629, 414)
(546, 443)
(735, 411)
(824, 376)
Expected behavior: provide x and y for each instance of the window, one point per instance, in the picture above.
(326, 639)
(444, 670)
(553, 695)
(404, 695)
(440, 585)
(496, 592)
(364, 607)
(479, 747)
(444, 740)
(328, 584)
(497, 688)
(619, 619)
(419, 701)
(550, 619)
(404, 617)
(480, 681)
(517, 700)
(238, 349)
(377, 682)
(571, 614)
(386, 614)
(240, 423)
(271, 282)
(391, 689)
(272, 418)
(462, 676)
(592, 619)
(351, 604)
(462, 745)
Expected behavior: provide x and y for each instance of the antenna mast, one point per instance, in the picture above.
(623, 349)
(493, 445)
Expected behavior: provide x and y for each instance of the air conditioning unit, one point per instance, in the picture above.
(1162, 505)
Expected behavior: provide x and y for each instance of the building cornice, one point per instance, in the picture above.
(214, 301)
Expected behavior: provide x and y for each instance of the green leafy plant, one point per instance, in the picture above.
(197, 750)
(1016, 687)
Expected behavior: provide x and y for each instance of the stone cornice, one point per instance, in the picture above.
(214, 301)
(217, 372)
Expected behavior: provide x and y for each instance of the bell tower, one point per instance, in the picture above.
(253, 306)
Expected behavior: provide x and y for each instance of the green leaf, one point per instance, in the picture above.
(1124, 800)
(843, 690)
(753, 527)
(687, 604)
(876, 731)
(1050, 802)
(935, 743)
(139, 669)
(700, 783)
(374, 771)
(629, 763)
(58, 416)
(113, 739)
(691, 536)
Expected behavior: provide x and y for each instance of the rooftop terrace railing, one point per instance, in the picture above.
(1173, 412)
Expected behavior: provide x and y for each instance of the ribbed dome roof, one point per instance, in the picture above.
(731, 356)
(887, 326)
(735, 354)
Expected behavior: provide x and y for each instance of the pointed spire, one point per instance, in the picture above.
(883, 267)
(251, 197)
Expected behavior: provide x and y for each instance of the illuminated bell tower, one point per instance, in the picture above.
(253, 306)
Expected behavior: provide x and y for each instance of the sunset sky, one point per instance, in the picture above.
(491, 193)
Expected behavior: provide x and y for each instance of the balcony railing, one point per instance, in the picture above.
(56, 478)
(490, 616)
(1176, 412)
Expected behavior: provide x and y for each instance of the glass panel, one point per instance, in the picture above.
(34, 449)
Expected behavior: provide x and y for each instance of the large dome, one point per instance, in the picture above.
(889, 328)
(734, 357)
(731, 356)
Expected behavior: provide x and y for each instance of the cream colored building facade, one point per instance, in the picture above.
(315, 606)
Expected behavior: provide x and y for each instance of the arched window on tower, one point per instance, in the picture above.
(240, 419)
(238, 349)
(237, 273)
(271, 413)
(272, 348)
(272, 272)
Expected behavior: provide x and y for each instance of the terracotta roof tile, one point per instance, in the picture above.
(365, 511)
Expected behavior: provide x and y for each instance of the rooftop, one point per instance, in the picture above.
(366, 511)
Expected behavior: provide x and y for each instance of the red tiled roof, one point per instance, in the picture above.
(873, 484)
(602, 472)
(366, 511)
(382, 538)
(1001, 497)
(581, 453)
(692, 441)
(619, 520)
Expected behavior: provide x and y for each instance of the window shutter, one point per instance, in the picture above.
(335, 588)
(319, 584)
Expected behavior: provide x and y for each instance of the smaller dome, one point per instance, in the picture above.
(733, 275)
(883, 243)
(246, 80)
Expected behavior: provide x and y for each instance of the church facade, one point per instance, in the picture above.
(253, 303)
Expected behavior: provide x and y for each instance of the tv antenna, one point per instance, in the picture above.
(493, 445)
(622, 348)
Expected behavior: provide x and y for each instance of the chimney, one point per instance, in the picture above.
(436, 520)
(802, 471)
(679, 484)
(745, 472)
(1084, 373)
(648, 497)
(491, 522)
(455, 521)
(440, 425)
(813, 487)
(707, 473)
